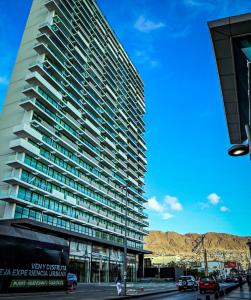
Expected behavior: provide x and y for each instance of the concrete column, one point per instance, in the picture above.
(141, 271)
(9, 210)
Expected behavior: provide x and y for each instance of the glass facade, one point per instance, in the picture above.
(81, 155)
(95, 263)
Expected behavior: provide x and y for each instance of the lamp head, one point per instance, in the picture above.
(238, 150)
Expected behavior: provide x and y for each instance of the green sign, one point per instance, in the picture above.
(25, 283)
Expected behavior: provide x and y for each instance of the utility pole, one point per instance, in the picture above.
(200, 244)
(125, 187)
(125, 243)
(204, 254)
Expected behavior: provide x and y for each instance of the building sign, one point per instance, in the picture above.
(230, 265)
(32, 265)
(22, 277)
(100, 252)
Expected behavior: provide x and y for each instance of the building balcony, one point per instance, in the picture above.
(15, 179)
(78, 219)
(22, 145)
(26, 131)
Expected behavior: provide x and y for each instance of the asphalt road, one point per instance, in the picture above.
(83, 292)
(102, 292)
(172, 296)
(79, 295)
(99, 295)
(188, 295)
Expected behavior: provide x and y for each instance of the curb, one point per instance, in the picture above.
(231, 288)
(16, 294)
(141, 295)
(224, 292)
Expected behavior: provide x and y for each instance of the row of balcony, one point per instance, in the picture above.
(29, 183)
(32, 133)
(28, 104)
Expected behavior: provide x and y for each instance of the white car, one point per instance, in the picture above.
(187, 282)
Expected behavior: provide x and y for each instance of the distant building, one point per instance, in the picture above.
(213, 266)
(162, 260)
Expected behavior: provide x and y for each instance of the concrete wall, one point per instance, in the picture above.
(12, 114)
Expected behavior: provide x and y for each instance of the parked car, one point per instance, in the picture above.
(72, 281)
(187, 282)
(207, 284)
(235, 278)
(228, 278)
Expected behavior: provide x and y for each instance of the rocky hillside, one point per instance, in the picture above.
(220, 246)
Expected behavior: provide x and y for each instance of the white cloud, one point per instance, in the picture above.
(224, 209)
(200, 5)
(145, 57)
(145, 25)
(154, 205)
(3, 80)
(213, 198)
(154, 63)
(213, 201)
(167, 216)
(203, 205)
(163, 209)
(173, 203)
(178, 32)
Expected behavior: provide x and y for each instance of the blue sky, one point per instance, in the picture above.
(191, 183)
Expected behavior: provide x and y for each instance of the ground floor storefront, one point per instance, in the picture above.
(31, 261)
(91, 259)
(97, 263)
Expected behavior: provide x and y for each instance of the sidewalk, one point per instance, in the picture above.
(136, 290)
(244, 293)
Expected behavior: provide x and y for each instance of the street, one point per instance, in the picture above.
(103, 291)
(239, 293)
(89, 295)
(172, 296)
(78, 295)
(84, 291)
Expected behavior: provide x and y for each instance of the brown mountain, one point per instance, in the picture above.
(220, 246)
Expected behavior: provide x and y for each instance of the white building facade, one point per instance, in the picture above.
(72, 152)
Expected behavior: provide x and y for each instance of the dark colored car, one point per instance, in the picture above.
(72, 281)
(207, 284)
(236, 278)
(187, 282)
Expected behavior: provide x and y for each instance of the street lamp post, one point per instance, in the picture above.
(249, 265)
(247, 126)
(125, 241)
(240, 149)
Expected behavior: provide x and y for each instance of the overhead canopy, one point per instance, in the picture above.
(231, 39)
(33, 225)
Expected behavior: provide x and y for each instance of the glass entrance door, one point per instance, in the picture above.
(99, 271)
(81, 269)
(115, 269)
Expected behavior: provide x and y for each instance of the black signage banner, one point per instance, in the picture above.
(32, 265)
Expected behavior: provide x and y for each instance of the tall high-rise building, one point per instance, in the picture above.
(72, 150)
